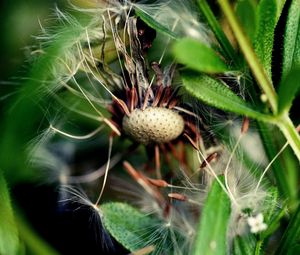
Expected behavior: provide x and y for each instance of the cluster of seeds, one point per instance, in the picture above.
(153, 125)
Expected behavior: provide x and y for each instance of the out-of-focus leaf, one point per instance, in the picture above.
(288, 89)
(291, 235)
(89, 3)
(212, 231)
(227, 49)
(291, 47)
(198, 56)
(216, 94)
(245, 10)
(268, 14)
(285, 181)
(24, 114)
(151, 22)
(244, 245)
(9, 240)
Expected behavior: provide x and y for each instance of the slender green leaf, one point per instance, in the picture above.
(198, 56)
(291, 237)
(294, 250)
(212, 230)
(244, 245)
(151, 22)
(9, 239)
(288, 89)
(217, 94)
(290, 132)
(245, 11)
(270, 135)
(274, 222)
(291, 48)
(271, 203)
(268, 14)
(227, 49)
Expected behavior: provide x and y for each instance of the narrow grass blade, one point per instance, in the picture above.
(9, 240)
(227, 49)
(288, 89)
(212, 230)
(244, 245)
(271, 137)
(291, 236)
(268, 14)
(245, 11)
(291, 48)
(198, 56)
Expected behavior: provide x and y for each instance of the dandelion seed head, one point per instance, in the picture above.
(153, 125)
(148, 112)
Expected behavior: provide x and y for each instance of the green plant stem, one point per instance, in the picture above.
(215, 26)
(258, 247)
(288, 129)
(250, 56)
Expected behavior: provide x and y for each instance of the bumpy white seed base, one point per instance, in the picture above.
(153, 125)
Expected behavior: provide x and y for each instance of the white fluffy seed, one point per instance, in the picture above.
(153, 125)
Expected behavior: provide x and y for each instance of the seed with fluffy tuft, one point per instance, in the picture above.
(153, 125)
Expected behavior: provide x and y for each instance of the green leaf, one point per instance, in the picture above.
(198, 56)
(244, 245)
(135, 230)
(217, 94)
(288, 89)
(271, 203)
(271, 137)
(227, 49)
(268, 14)
(291, 47)
(127, 225)
(212, 231)
(245, 11)
(291, 235)
(18, 131)
(151, 22)
(9, 240)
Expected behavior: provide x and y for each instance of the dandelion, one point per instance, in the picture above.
(147, 111)
(106, 77)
